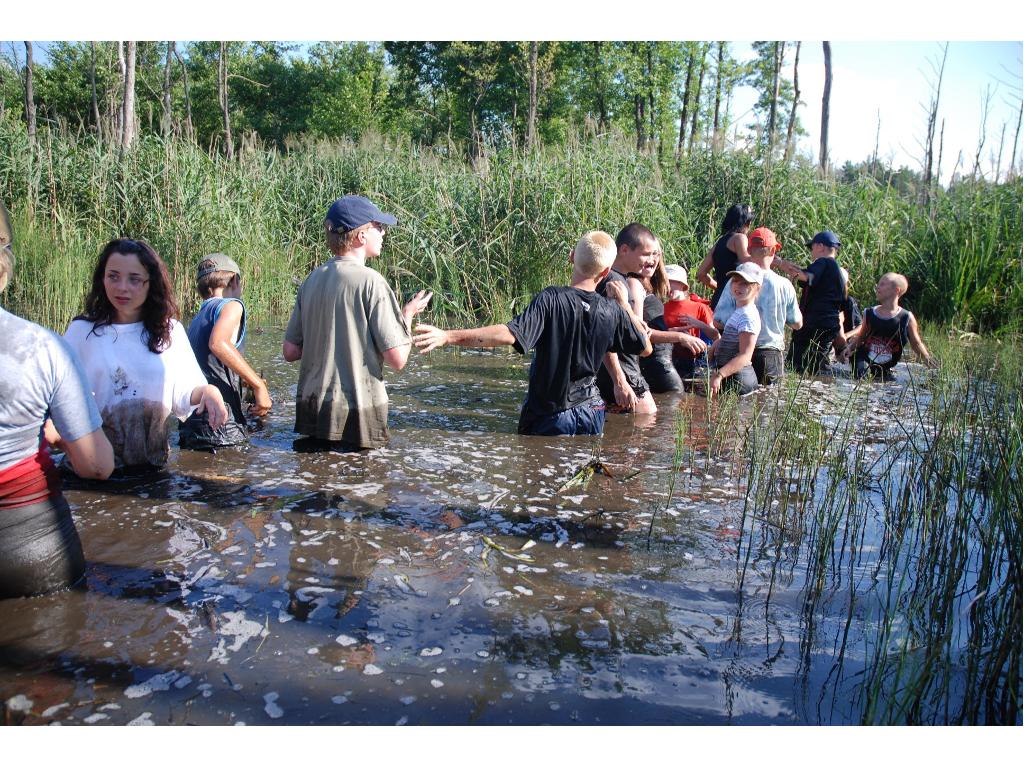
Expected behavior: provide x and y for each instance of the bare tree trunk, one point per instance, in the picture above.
(942, 139)
(116, 107)
(188, 97)
(796, 101)
(825, 97)
(531, 123)
(651, 115)
(602, 107)
(718, 92)
(985, 108)
(696, 96)
(128, 100)
(638, 118)
(167, 116)
(999, 157)
(780, 50)
(1016, 136)
(229, 147)
(30, 101)
(683, 111)
(933, 114)
(878, 133)
(92, 87)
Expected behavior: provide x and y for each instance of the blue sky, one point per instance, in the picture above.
(886, 79)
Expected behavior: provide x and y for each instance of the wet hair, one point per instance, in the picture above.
(159, 308)
(220, 279)
(632, 235)
(736, 218)
(594, 253)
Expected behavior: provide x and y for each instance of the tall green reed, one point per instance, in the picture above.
(485, 238)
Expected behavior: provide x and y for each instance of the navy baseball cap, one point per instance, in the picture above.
(825, 238)
(352, 211)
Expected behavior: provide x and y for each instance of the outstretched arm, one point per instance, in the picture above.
(791, 269)
(428, 337)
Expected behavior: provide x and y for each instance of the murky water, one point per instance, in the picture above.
(449, 578)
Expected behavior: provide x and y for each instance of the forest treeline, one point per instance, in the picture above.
(669, 97)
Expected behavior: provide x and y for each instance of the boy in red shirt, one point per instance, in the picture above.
(687, 313)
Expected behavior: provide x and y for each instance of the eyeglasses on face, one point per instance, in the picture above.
(382, 228)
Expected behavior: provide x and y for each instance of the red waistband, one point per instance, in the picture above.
(29, 481)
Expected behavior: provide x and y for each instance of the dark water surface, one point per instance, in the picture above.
(264, 585)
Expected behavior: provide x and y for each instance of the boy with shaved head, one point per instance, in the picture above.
(570, 328)
(877, 343)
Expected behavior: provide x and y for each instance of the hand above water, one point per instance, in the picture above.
(212, 404)
(415, 305)
(428, 337)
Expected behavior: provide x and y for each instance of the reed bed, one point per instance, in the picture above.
(485, 237)
(899, 510)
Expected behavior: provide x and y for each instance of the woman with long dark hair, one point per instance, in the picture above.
(44, 390)
(729, 250)
(136, 355)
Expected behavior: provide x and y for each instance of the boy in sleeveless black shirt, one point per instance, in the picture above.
(877, 343)
(571, 328)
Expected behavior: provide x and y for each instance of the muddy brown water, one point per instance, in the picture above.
(268, 585)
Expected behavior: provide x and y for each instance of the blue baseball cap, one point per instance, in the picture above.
(825, 238)
(352, 211)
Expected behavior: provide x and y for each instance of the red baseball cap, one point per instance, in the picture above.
(762, 237)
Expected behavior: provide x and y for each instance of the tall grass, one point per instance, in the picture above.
(905, 506)
(484, 238)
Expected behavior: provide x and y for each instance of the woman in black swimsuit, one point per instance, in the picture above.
(729, 250)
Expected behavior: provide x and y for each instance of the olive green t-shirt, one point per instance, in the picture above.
(345, 317)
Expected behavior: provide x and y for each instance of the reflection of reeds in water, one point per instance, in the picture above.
(909, 530)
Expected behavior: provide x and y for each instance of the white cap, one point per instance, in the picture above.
(677, 273)
(749, 272)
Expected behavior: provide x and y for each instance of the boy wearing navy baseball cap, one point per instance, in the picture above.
(824, 293)
(345, 326)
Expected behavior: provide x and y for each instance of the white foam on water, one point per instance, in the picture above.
(20, 703)
(146, 718)
(161, 682)
(372, 669)
(95, 718)
(345, 640)
(272, 709)
(239, 628)
(435, 651)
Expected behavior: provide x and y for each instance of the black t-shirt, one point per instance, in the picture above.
(725, 261)
(630, 363)
(571, 330)
(824, 295)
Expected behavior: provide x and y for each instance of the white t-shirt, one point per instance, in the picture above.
(39, 377)
(135, 389)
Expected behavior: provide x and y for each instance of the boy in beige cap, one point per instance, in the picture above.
(217, 336)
